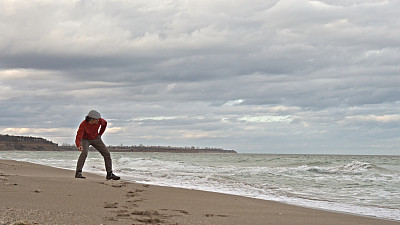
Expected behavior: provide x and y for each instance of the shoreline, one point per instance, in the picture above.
(33, 193)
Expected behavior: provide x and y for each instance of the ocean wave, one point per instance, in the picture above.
(355, 167)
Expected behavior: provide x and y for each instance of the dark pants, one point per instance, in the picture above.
(99, 146)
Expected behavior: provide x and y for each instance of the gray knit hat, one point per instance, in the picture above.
(94, 114)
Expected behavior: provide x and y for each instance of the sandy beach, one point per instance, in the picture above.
(36, 194)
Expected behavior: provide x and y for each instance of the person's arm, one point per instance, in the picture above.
(78, 138)
(103, 124)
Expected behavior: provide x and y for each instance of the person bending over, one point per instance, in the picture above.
(89, 134)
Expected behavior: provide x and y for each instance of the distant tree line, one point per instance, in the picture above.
(26, 143)
(11, 138)
(9, 142)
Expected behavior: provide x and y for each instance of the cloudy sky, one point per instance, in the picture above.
(257, 76)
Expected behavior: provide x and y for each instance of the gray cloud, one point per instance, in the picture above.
(259, 76)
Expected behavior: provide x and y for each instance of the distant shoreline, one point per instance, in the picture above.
(25, 143)
(156, 149)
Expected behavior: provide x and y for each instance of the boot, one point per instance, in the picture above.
(78, 174)
(111, 176)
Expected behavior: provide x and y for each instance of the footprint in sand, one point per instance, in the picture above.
(123, 213)
(3, 177)
(151, 221)
(130, 194)
(181, 211)
(212, 215)
(110, 204)
(149, 217)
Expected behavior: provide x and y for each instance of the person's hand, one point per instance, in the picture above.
(80, 148)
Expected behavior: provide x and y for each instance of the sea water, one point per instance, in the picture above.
(363, 185)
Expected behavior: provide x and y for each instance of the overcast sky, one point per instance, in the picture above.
(256, 76)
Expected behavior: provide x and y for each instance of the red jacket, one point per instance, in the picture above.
(90, 131)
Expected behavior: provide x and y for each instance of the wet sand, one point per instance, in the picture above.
(35, 194)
